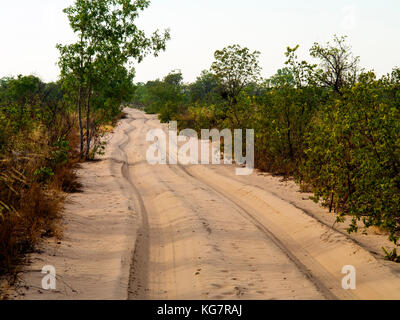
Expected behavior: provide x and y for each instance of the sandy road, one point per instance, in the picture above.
(196, 243)
(142, 231)
(207, 234)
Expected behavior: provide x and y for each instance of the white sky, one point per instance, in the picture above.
(30, 29)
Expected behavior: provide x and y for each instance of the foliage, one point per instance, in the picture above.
(355, 144)
(391, 255)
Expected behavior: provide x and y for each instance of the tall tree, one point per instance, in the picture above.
(235, 68)
(338, 66)
(108, 38)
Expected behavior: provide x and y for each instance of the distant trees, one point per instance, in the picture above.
(205, 89)
(166, 97)
(108, 39)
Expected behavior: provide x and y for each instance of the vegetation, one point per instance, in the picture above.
(331, 125)
(36, 159)
(95, 71)
(47, 128)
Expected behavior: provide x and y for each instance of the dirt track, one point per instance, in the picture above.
(197, 243)
(208, 234)
(201, 232)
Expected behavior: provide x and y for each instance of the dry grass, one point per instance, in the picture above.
(29, 205)
(37, 170)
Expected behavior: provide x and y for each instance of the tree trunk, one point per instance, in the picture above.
(88, 124)
(331, 203)
(80, 120)
(80, 99)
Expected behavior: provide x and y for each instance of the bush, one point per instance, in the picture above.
(37, 152)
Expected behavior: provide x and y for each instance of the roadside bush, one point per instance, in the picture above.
(37, 162)
(353, 156)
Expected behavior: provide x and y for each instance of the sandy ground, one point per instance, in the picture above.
(94, 258)
(200, 232)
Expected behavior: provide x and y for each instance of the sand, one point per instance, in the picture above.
(141, 231)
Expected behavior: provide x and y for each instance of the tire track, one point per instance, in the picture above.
(137, 279)
(319, 285)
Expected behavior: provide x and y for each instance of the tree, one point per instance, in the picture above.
(166, 97)
(205, 89)
(338, 67)
(174, 78)
(302, 72)
(283, 77)
(108, 38)
(235, 68)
